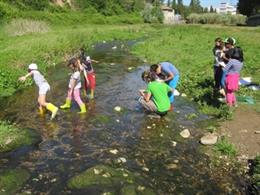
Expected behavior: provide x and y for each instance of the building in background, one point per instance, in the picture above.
(168, 14)
(226, 8)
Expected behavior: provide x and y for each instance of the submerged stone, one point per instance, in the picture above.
(100, 175)
(185, 133)
(17, 138)
(12, 180)
(108, 177)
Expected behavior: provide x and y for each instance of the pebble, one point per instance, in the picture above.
(172, 166)
(161, 135)
(209, 139)
(148, 127)
(115, 47)
(130, 68)
(185, 133)
(257, 132)
(121, 160)
(174, 143)
(183, 95)
(117, 108)
(97, 172)
(117, 120)
(140, 188)
(115, 151)
(145, 169)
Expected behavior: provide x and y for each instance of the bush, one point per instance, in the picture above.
(152, 14)
(213, 18)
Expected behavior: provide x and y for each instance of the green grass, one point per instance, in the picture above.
(225, 148)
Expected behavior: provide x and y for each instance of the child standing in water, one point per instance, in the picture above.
(43, 86)
(74, 86)
(89, 74)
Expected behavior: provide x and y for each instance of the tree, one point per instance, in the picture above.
(211, 10)
(169, 3)
(248, 7)
(195, 6)
(180, 8)
(174, 5)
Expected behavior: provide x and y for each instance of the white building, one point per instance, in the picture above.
(226, 8)
(168, 14)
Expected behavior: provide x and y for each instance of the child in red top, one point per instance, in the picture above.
(89, 74)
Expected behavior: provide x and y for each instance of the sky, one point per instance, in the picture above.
(214, 3)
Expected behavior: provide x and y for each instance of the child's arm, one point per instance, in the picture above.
(95, 61)
(169, 77)
(146, 95)
(23, 78)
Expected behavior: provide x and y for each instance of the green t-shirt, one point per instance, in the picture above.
(159, 91)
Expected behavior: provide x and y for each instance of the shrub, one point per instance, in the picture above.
(213, 18)
(226, 148)
(152, 14)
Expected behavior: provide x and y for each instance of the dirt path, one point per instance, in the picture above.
(241, 131)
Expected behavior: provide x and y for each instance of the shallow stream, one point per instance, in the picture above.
(73, 143)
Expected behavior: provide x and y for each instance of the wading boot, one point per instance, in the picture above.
(53, 110)
(66, 105)
(82, 109)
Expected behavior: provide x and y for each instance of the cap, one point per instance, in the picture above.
(230, 40)
(33, 67)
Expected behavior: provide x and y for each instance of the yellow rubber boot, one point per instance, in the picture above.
(41, 111)
(53, 110)
(82, 109)
(67, 104)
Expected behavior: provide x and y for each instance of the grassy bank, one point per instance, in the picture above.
(189, 47)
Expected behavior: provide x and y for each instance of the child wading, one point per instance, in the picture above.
(44, 87)
(74, 86)
(155, 97)
(89, 74)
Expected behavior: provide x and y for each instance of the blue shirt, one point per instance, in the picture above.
(233, 66)
(169, 68)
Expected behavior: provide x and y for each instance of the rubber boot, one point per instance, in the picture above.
(41, 111)
(53, 110)
(67, 104)
(82, 109)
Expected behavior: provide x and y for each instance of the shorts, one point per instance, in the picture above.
(44, 88)
(91, 81)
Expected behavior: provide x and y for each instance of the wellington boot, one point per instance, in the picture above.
(82, 109)
(53, 110)
(66, 105)
(41, 111)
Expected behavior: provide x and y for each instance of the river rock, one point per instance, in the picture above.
(13, 180)
(117, 108)
(185, 133)
(209, 139)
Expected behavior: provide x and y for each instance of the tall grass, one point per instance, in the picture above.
(18, 27)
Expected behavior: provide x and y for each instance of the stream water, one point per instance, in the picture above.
(72, 143)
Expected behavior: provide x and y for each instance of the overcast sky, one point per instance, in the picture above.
(214, 3)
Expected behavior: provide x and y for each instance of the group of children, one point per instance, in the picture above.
(228, 62)
(162, 80)
(82, 64)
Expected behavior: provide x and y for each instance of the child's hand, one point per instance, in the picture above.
(22, 79)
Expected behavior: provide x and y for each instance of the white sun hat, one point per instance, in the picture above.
(33, 66)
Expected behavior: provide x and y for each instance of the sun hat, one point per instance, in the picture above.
(230, 40)
(33, 66)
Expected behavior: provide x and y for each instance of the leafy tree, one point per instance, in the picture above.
(174, 5)
(169, 3)
(248, 7)
(211, 10)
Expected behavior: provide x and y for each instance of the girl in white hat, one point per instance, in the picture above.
(43, 86)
